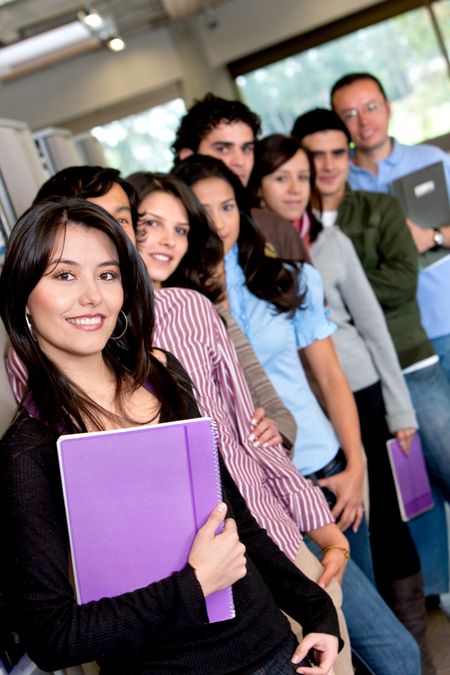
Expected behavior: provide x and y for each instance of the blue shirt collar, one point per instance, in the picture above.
(231, 258)
(396, 153)
(393, 158)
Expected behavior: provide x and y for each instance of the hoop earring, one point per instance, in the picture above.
(30, 327)
(117, 337)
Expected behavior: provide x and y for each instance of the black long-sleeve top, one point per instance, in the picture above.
(159, 629)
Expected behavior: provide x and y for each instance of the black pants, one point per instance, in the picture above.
(393, 550)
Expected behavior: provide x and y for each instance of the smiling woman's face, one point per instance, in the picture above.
(286, 190)
(74, 306)
(162, 236)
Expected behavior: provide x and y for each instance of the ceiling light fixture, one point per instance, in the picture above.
(91, 18)
(115, 44)
(55, 41)
(103, 27)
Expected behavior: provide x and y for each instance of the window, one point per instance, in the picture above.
(442, 13)
(402, 51)
(142, 142)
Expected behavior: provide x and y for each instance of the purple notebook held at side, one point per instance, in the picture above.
(411, 478)
(135, 499)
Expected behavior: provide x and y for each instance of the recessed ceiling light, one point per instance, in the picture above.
(116, 44)
(90, 18)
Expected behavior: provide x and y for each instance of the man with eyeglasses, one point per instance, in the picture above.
(360, 101)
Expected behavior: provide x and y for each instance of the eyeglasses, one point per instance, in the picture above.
(369, 108)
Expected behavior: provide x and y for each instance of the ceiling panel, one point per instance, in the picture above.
(22, 19)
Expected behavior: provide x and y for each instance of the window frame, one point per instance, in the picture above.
(317, 37)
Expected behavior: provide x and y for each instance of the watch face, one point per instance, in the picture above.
(438, 238)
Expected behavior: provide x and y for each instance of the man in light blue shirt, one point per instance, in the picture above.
(360, 100)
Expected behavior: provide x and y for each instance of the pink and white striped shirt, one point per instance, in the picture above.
(282, 501)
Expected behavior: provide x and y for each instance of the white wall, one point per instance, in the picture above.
(93, 81)
(84, 85)
(246, 26)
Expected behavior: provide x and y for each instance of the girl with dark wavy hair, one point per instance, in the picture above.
(174, 236)
(76, 302)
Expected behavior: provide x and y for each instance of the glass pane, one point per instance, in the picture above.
(142, 142)
(442, 13)
(403, 52)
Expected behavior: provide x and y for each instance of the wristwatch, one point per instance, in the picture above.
(438, 237)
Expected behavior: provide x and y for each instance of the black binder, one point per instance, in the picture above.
(424, 198)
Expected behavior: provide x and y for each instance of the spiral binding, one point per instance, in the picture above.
(215, 436)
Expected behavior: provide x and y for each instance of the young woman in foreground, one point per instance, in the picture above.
(80, 318)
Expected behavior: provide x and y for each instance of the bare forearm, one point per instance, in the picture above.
(424, 236)
(336, 552)
(329, 535)
(337, 398)
(341, 409)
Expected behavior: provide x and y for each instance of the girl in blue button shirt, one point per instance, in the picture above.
(279, 307)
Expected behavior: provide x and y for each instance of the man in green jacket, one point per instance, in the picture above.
(377, 227)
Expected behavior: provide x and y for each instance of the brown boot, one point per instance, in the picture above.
(408, 603)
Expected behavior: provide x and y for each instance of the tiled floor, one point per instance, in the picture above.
(439, 635)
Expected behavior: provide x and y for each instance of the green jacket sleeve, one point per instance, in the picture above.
(394, 279)
(377, 227)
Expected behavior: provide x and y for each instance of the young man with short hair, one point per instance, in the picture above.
(219, 128)
(361, 102)
(228, 130)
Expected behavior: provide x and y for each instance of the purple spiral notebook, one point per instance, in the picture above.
(411, 478)
(135, 498)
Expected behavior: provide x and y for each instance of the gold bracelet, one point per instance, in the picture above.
(345, 551)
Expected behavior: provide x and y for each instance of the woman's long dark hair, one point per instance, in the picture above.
(268, 278)
(205, 249)
(272, 152)
(59, 402)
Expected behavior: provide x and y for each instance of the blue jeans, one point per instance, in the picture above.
(430, 393)
(360, 549)
(359, 541)
(442, 347)
(377, 636)
(429, 532)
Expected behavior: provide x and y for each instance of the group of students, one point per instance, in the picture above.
(163, 297)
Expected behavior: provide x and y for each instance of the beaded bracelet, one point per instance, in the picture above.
(345, 551)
